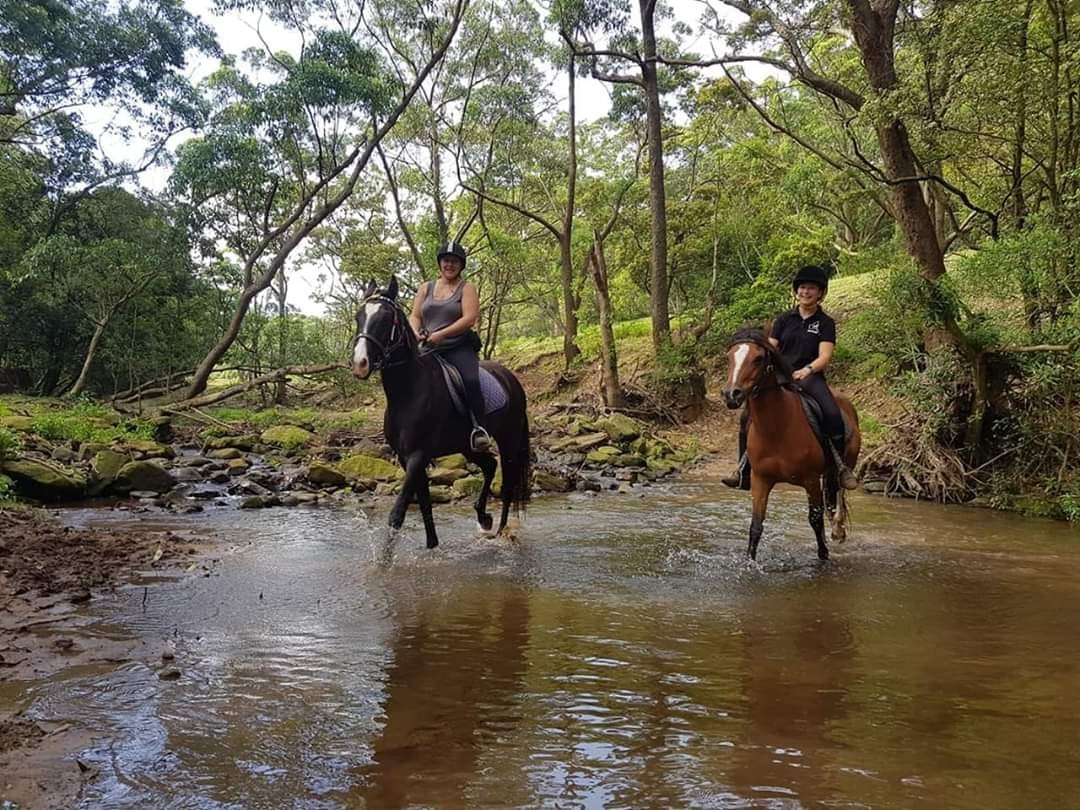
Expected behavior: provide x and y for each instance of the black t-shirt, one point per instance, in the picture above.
(800, 338)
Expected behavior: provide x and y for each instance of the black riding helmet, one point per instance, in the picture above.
(812, 274)
(452, 248)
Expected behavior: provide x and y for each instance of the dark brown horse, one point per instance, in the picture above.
(781, 445)
(421, 422)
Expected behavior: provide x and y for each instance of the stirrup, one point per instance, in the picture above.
(480, 440)
(737, 480)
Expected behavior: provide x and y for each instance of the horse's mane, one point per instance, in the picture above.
(756, 336)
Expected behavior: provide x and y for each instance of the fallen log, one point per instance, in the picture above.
(274, 376)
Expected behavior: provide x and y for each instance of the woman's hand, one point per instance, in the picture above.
(801, 374)
(434, 338)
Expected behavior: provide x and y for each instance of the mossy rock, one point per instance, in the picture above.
(661, 465)
(23, 424)
(225, 453)
(628, 460)
(324, 475)
(143, 475)
(441, 494)
(619, 427)
(371, 468)
(238, 466)
(45, 479)
(581, 443)
(445, 475)
(451, 462)
(107, 465)
(468, 487)
(239, 442)
(287, 437)
(603, 455)
(149, 449)
(658, 448)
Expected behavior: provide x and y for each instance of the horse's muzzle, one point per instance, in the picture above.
(734, 397)
(361, 370)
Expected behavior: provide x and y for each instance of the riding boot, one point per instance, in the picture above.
(480, 440)
(740, 478)
(845, 477)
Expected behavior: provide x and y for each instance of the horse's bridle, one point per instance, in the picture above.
(397, 335)
(769, 372)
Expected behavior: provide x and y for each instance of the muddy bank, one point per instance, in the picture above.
(48, 571)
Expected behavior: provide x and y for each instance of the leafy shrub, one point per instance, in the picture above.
(10, 443)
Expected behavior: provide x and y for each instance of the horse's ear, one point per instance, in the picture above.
(392, 289)
(370, 288)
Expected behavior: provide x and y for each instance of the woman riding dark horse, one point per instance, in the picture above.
(805, 337)
(443, 314)
(421, 421)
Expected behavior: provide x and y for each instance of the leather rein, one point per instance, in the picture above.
(769, 372)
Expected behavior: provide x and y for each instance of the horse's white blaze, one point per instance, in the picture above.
(737, 362)
(360, 354)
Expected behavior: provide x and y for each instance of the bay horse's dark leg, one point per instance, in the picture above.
(487, 465)
(816, 514)
(760, 487)
(423, 497)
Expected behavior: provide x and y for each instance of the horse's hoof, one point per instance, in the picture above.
(485, 522)
(823, 554)
(432, 542)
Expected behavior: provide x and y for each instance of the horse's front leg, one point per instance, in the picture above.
(414, 470)
(816, 503)
(760, 487)
(423, 497)
(487, 466)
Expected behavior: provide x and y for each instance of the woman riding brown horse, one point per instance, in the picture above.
(781, 445)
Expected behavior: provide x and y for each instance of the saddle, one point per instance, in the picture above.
(814, 416)
(494, 394)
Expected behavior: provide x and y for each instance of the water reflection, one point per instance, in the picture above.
(453, 689)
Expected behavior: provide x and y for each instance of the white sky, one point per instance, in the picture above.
(237, 32)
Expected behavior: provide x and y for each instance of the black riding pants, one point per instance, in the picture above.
(816, 386)
(467, 362)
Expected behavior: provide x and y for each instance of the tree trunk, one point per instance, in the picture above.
(80, 383)
(282, 293)
(570, 318)
(661, 320)
(609, 364)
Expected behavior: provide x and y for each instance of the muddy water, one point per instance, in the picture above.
(621, 654)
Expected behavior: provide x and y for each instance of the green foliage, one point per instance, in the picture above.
(10, 443)
(87, 421)
(7, 492)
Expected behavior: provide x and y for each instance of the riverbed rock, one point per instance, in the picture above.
(224, 454)
(187, 475)
(143, 475)
(455, 461)
(238, 466)
(45, 479)
(603, 455)
(663, 466)
(194, 461)
(147, 449)
(628, 460)
(255, 502)
(552, 482)
(289, 438)
(619, 427)
(445, 475)
(246, 442)
(441, 494)
(370, 468)
(324, 475)
(468, 487)
(107, 465)
(582, 443)
(65, 455)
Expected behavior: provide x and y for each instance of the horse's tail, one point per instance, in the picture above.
(516, 458)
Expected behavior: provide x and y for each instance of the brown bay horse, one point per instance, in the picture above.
(781, 446)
